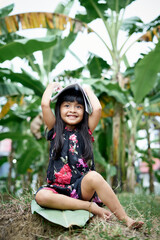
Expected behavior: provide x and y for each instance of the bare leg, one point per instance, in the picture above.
(94, 182)
(47, 198)
(91, 183)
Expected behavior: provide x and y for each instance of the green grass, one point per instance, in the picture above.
(17, 222)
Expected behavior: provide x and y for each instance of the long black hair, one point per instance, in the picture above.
(71, 95)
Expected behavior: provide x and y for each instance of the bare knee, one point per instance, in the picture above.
(94, 178)
(42, 197)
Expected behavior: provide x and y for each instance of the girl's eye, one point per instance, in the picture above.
(79, 107)
(66, 105)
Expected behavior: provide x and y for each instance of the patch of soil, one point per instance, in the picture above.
(17, 222)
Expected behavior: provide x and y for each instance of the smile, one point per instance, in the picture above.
(72, 116)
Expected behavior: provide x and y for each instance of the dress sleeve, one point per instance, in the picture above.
(51, 134)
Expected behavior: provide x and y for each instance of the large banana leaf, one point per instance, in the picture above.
(136, 25)
(15, 117)
(6, 10)
(12, 118)
(133, 25)
(26, 159)
(155, 99)
(117, 5)
(154, 23)
(64, 8)
(25, 154)
(94, 8)
(57, 52)
(96, 65)
(108, 168)
(74, 73)
(152, 30)
(24, 78)
(146, 74)
(14, 136)
(10, 89)
(97, 9)
(65, 218)
(110, 88)
(32, 20)
(24, 47)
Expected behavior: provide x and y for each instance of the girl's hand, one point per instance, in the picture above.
(48, 115)
(55, 86)
(96, 108)
(87, 88)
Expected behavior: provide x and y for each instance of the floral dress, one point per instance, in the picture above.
(64, 175)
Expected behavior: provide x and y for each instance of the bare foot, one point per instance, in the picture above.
(100, 212)
(133, 224)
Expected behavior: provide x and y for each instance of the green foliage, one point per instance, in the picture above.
(96, 65)
(6, 10)
(53, 55)
(73, 74)
(101, 150)
(24, 47)
(117, 5)
(32, 148)
(156, 98)
(146, 72)
(94, 9)
(53, 48)
(3, 160)
(98, 9)
(110, 88)
(10, 89)
(153, 23)
(133, 25)
(14, 136)
(24, 78)
(157, 175)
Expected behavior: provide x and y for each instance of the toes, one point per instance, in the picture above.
(107, 216)
(136, 225)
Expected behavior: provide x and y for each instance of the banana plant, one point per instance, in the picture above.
(112, 15)
(135, 111)
(53, 48)
(11, 82)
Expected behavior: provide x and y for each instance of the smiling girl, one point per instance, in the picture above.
(72, 182)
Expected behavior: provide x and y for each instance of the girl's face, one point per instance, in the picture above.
(71, 113)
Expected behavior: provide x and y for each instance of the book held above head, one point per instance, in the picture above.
(75, 86)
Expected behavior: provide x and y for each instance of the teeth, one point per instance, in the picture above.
(72, 116)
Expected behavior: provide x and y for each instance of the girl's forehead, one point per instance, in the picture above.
(72, 102)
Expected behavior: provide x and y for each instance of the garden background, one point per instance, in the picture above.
(101, 43)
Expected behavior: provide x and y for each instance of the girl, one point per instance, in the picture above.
(71, 176)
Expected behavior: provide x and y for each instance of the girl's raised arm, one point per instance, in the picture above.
(48, 115)
(96, 106)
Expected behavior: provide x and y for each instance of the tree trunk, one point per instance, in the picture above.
(122, 151)
(116, 138)
(131, 160)
(130, 179)
(150, 164)
(10, 159)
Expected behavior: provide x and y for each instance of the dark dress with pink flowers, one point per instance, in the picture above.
(64, 175)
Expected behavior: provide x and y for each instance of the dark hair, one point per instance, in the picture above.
(71, 95)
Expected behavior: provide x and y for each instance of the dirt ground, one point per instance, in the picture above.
(17, 222)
